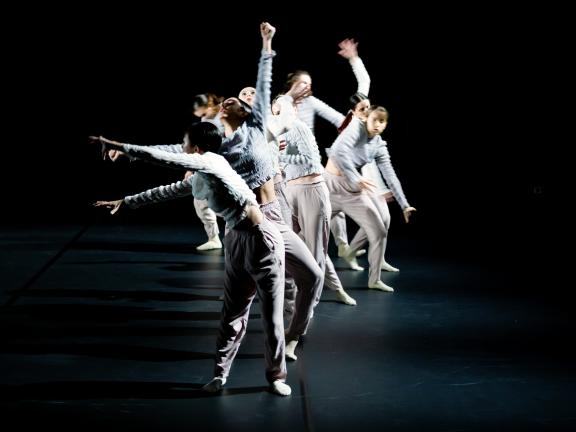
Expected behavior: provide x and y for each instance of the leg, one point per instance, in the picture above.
(239, 291)
(314, 211)
(208, 218)
(339, 232)
(301, 265)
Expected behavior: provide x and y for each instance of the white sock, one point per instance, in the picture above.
(343, 297)
(353, 263)
(280, 388)
(215, 385)
(379, 285)
(212, 243)
(290, 348)
(387, 267)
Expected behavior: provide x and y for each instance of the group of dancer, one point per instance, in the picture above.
(257, 164)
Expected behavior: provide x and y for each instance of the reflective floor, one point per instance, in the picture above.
(115, 326)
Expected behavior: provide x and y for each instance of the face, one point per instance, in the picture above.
(361, 108)
(247, 95)
(232, 109)
(376, 123)
(303, 80)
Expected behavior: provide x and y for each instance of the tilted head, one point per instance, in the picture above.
(234, 110)
(359, 104)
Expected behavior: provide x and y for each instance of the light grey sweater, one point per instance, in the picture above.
(353, 149)
(301, 156)
(215, 181)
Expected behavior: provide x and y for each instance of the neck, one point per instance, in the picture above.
(230, 126)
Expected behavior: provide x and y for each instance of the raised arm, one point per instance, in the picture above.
(349, 50)
(261, 106)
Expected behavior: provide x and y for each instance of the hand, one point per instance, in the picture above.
(407, 211)
(114, 205)
(348, 48)
(188, 174)
(267, 31)
(299, 91)
(114, 155)
(98, 140)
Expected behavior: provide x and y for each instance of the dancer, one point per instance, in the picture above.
(306, 191)
(254, 258)
(359, 105)
(359, 144)
(246, 148)
(207, 108)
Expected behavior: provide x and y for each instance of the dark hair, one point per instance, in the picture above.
(205, 135)
(245, 105)
(356, 98)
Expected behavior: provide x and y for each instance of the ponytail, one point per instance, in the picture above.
(346, 121)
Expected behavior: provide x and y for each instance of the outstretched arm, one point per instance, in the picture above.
(209, 163)
(151, 154)
(151, 196)
(114, 155)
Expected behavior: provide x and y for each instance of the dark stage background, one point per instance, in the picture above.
(469, 131)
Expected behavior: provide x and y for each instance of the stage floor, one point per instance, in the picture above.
(115, 326)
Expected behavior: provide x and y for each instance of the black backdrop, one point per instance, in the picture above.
(464, 89)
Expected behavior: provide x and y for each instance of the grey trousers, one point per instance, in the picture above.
(362, 208)
(311, 211)
(302, 266)
(338, 228)
(207, 217)
(254, 264)
(360, 238)
(340, 233)
(280, 189)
